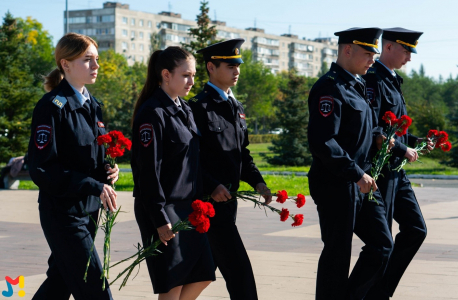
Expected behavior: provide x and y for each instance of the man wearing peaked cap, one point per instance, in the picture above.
(384, 92)
(225, 160)
(342, 130)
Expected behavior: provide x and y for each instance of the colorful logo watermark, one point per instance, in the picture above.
(9, 284)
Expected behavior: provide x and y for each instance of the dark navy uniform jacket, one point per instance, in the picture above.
(341, 127)
(385, 94)
(165, 155)
(65, 161)
(224, 155)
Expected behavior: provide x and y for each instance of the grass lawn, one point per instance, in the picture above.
(292, 184)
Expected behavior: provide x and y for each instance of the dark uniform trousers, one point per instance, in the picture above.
(342, 210)
(402, 206)
(70, 239)
(67, 165)
(226, 160)
(342, 128)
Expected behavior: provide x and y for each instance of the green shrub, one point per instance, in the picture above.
(262, 138)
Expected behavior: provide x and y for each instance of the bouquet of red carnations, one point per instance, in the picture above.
(395, 127)
(438, 138)
(115, 143)
(282, 196)
(198, 219)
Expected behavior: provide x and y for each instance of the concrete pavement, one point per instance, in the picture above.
(284, 259)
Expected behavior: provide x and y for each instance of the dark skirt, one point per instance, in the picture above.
(186, 259)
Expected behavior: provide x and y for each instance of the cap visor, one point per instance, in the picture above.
(232, 61)
(371, 49)
(410, 49)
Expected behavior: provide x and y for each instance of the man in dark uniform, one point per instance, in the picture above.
(341, 133)
(225, 161)
(384, 92)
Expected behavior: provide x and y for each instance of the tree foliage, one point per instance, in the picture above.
(258, 88)
(291, 148)
(201, 37)
(25, 54)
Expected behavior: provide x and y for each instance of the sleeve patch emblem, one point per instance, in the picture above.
(146, 134)
(370, 94)
(242, 116)
(326, 105)
(100, 124)
(43, 135)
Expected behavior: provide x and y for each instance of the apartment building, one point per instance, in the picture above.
(129, 32)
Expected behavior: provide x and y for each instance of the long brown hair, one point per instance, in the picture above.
(69, 47)
(169, 59)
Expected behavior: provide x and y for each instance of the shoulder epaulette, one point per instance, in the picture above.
(193, 99)
(372, 70)
(100, 103)
(59, 101)
(328, 76)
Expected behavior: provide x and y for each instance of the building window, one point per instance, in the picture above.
(76, 20)
(266, 41)
(132, 22)
(227, 35)
(150, 24)
(180, 27)
(124, 20)
(140, 59)
(140, 23)
(124, 32)
(132, 34)
(124, 46)
(132, 47)
(141, 47)
(133, 57)
(140, 35)
(108, 18)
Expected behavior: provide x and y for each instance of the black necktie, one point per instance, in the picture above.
(87, 106)
(233, 104)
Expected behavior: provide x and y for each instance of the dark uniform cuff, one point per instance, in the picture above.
(399, 149)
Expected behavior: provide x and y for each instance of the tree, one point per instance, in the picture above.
(258, 87)
(25, 53)
(155, 41)
(200, 38)
(291, 148)
(324, 69)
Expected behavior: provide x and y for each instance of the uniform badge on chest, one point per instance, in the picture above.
(326, 105)
(370, 94)
(146, 134)
(42, 136)
(242, 116)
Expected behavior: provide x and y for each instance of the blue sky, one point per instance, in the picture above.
(436, 18)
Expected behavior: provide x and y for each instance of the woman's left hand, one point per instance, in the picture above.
(113, 173)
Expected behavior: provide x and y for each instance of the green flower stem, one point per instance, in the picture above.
(143, 253)
(93, 241)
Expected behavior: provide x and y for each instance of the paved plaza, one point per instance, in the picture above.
(284, 258)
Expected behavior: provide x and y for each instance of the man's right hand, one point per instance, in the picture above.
(221, 194)
(411, 155)
(365, 184)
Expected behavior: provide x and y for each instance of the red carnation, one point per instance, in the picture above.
(199, 206)
(196, 218)
(298, 219)
(125, 143)
(442, 137)
(210, 210)
(204, 226)
(447, 146)
(404, 121)
(389, 117)
(401, 131)
(300, 200)
(115, 151)
(104, 139)
(284, 214)
(282, 196)
(432, 133)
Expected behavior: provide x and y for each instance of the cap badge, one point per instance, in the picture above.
(237, 51)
